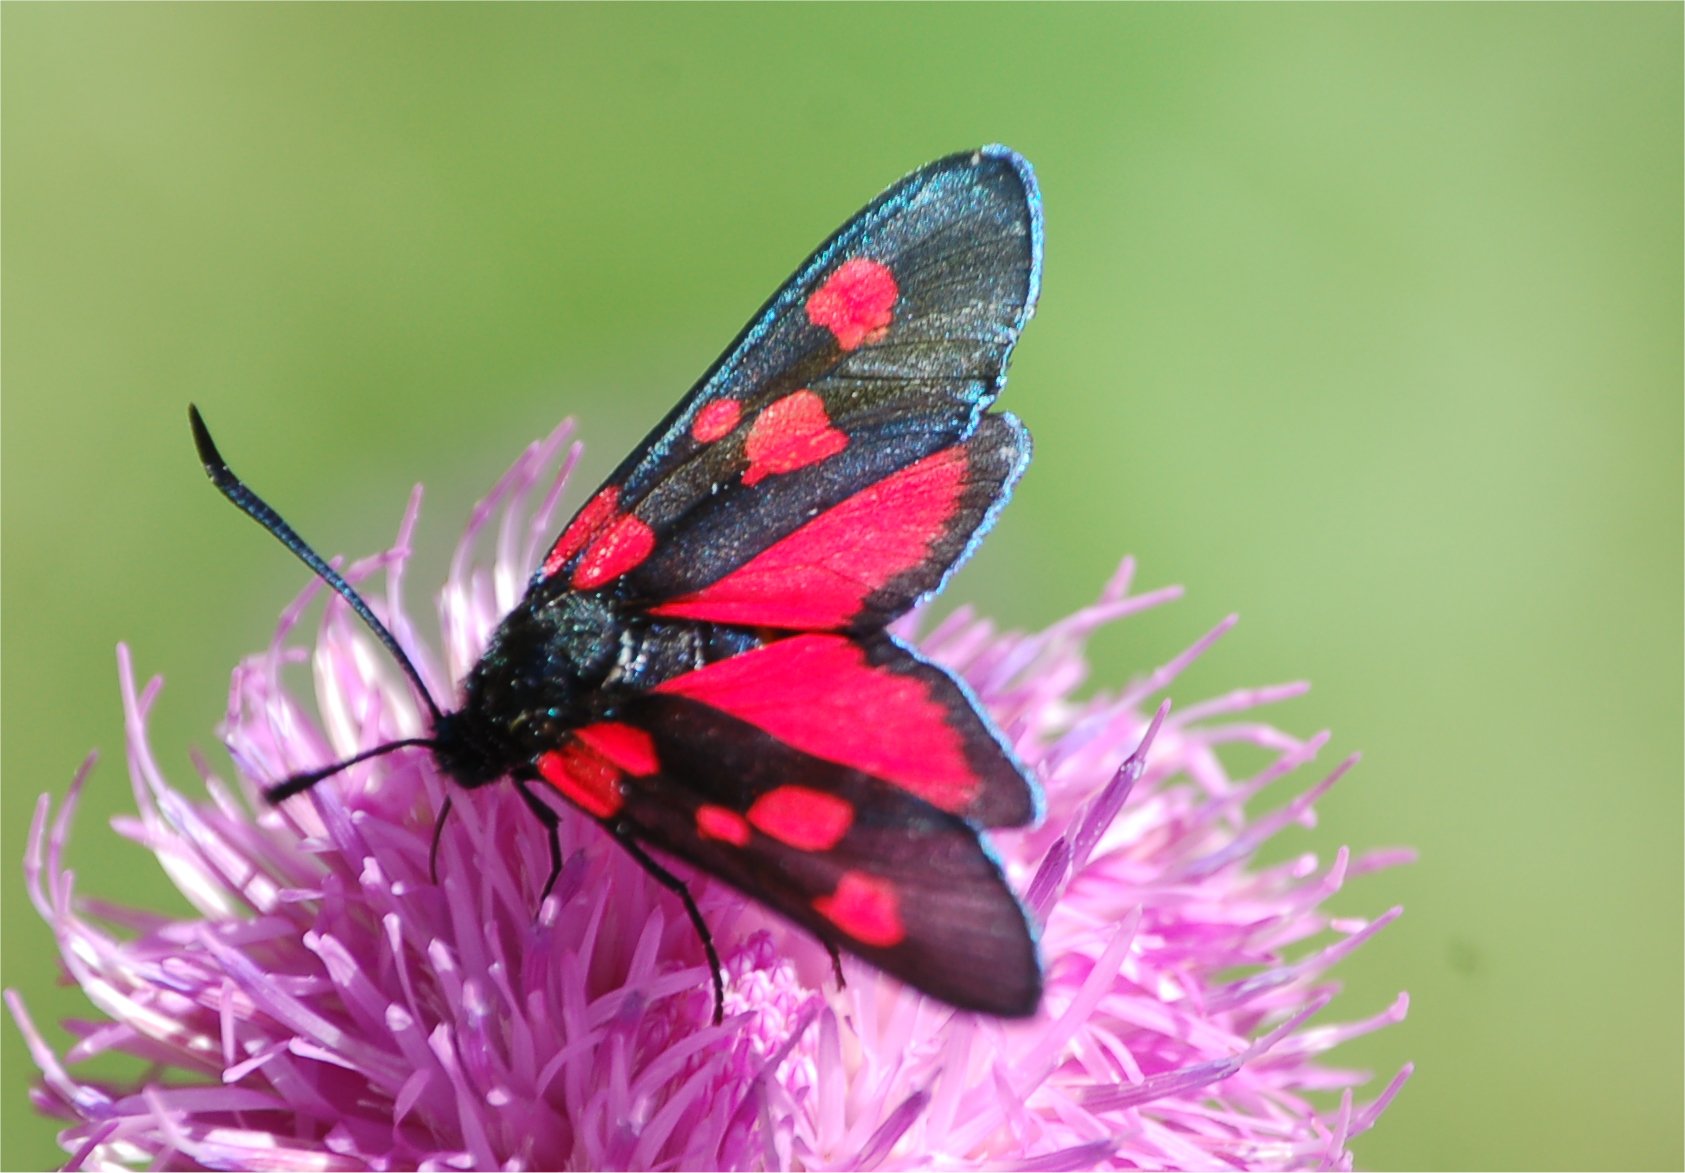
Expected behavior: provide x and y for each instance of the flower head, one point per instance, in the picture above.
(331, 1007)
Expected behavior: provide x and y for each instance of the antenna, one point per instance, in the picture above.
(299, 783)
(259, 510)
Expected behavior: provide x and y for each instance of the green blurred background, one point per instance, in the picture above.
(1362, 321)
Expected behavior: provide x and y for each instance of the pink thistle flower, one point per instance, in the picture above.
(332, 1008)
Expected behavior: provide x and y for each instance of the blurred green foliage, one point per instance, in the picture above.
(1363, 321)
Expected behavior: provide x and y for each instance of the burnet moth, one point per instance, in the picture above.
(701, 663)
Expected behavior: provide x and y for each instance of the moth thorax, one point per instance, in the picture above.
(535, 682)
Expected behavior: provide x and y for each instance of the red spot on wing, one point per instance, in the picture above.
(818, 694)
(718, 822)
(628, 747)
(598, 512)
(790, 433)
(866, 908)
(855, 303)
(625, 543)
(585, 777)
(820, 575)
(810, 820)
(716, 420)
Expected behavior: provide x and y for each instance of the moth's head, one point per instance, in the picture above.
(469, 749)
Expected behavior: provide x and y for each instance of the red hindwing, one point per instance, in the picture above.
(853, 563)
(871, 705)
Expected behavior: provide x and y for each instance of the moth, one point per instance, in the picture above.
(701, 663)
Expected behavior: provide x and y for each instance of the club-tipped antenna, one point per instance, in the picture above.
(259, 511)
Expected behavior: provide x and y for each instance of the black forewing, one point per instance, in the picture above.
(964, 938)
(962, 238)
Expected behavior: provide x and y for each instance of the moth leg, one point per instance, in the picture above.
(553, 823)
(677, 886)
(438, 834)
(836, 964)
